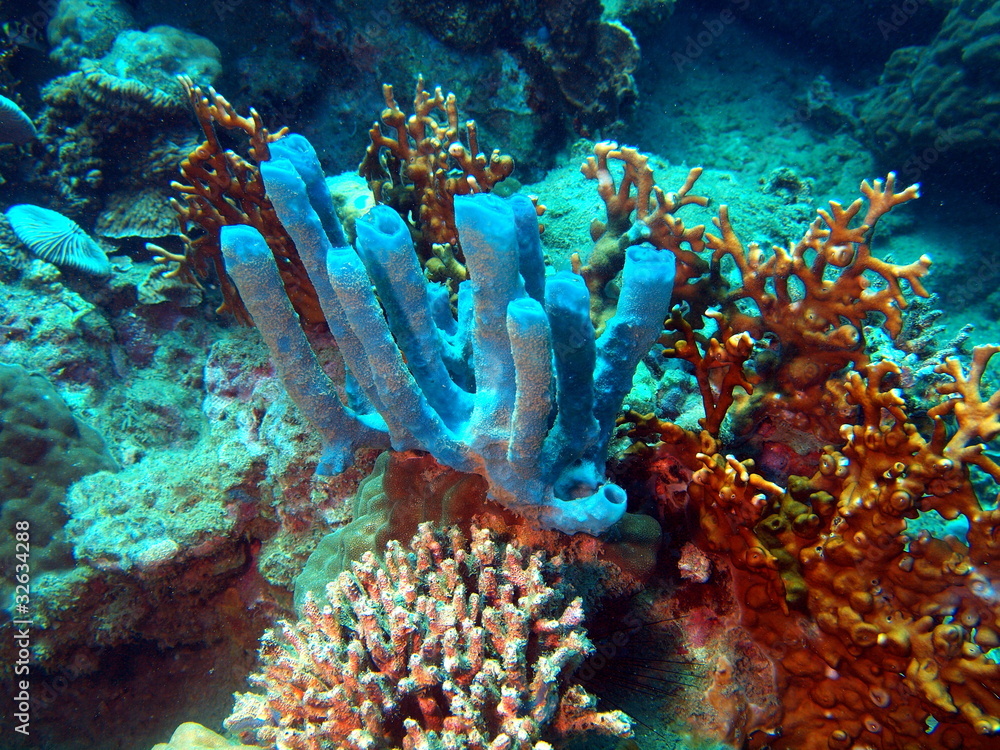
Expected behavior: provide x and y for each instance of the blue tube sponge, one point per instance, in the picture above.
(386, 249)
(252, 266)
(647, 283)
(517, 389)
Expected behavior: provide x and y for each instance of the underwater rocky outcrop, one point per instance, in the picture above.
(43, 450)
(803, 553)
(934, 102)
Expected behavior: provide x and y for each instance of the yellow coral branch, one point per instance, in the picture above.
(978, 420)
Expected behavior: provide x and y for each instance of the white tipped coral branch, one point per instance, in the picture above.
(449, 645)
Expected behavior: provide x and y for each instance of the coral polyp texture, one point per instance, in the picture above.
(880, 632)
(43, 450)
(451, 644)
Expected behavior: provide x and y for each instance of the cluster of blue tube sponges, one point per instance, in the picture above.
(516, 389)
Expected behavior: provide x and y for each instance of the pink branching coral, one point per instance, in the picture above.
(450, 645)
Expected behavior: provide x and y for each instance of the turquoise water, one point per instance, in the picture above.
(162, 482)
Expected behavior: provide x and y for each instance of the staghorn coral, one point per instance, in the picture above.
(718, 369)
(418, 164)
(918, 349)
(797, 316)
(450, 645)
(878, 633)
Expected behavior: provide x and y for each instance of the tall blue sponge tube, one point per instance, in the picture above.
(532, 406)
(251, 265)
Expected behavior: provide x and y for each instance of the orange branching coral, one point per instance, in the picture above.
(879, 633)
(719, 370)
(645, 216)
(221, 188)
(418, 164)
(978, 420)
(814, 298)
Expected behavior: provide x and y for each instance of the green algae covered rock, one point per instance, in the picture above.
(86, 28)
(43, 450)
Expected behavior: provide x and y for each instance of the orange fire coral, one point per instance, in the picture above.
(718, 371)
(653, 222)
(878, 632)
(420, 169)
(813, 299)
(220, 189)
(810, 302)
